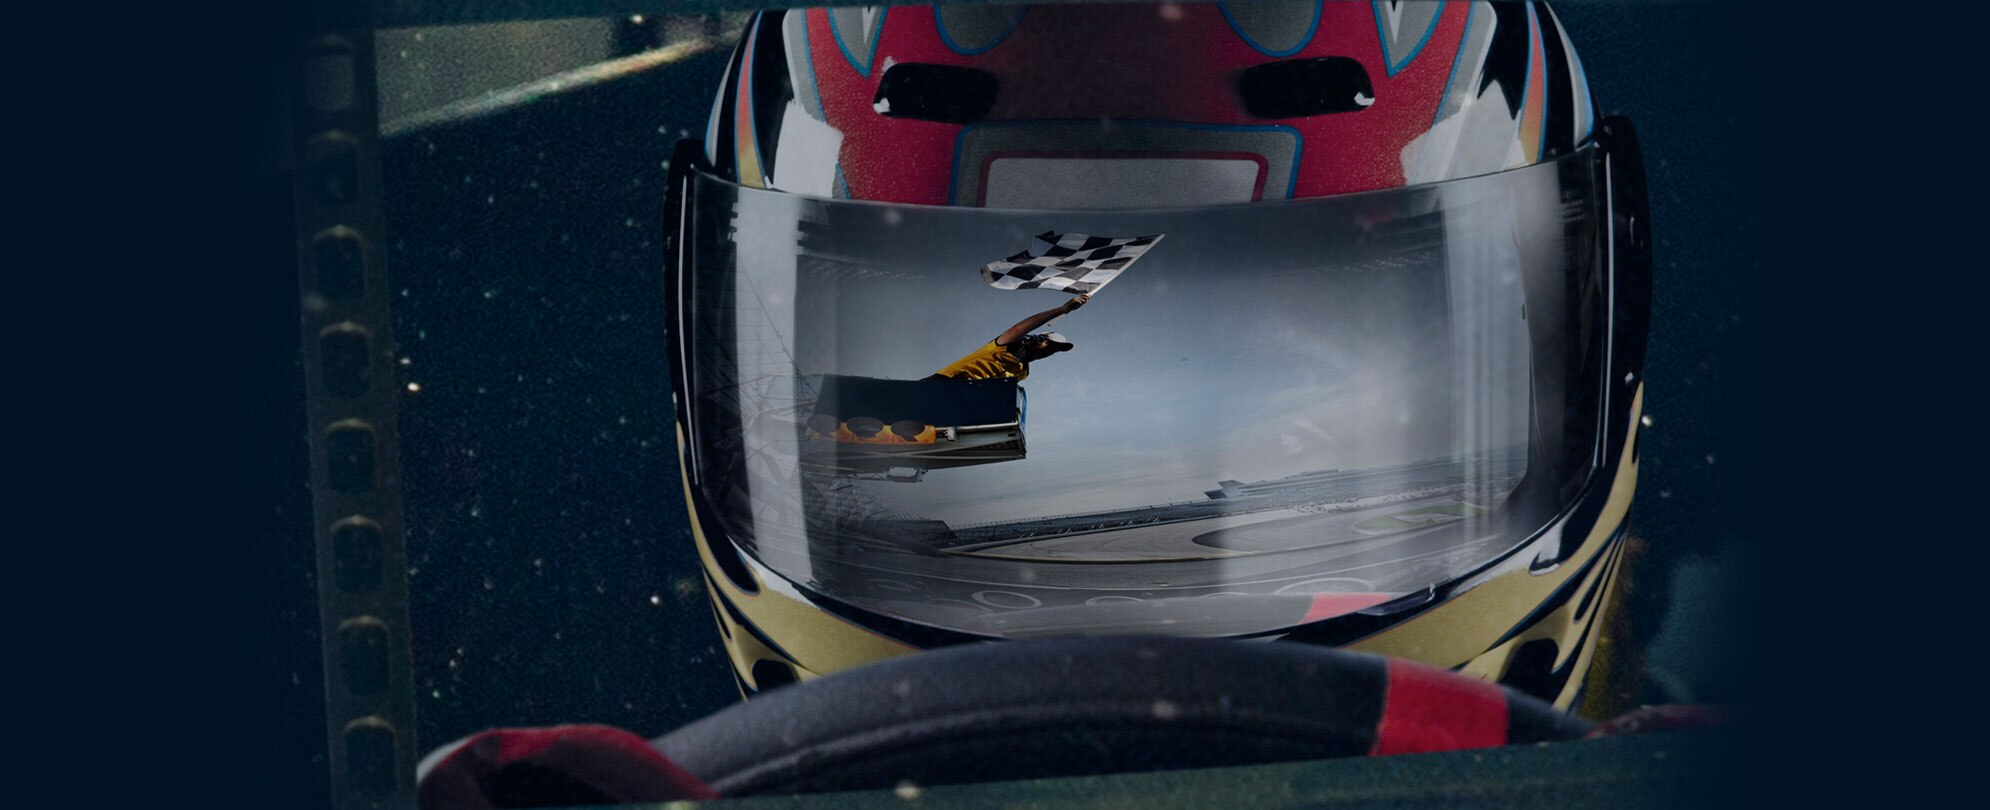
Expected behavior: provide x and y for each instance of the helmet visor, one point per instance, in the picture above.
(1304, 408)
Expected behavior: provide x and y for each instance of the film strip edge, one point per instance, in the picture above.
(350, 387)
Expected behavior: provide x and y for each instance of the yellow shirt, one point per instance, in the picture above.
(989, 362)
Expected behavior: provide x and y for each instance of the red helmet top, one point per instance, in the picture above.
(1136, 105)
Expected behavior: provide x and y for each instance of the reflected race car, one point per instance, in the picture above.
(865, 425)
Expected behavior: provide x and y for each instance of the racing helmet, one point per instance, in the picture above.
(1369, 375)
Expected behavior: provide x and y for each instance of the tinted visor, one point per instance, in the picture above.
(1279, 413)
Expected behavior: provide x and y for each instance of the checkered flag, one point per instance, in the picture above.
(1072, 262)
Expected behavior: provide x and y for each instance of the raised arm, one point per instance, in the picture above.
(1029, 324)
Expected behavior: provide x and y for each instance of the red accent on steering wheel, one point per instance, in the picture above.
(1430, 709)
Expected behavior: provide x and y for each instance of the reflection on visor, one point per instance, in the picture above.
(1277, 414)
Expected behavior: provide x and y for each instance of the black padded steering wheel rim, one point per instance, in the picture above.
(1083, 706)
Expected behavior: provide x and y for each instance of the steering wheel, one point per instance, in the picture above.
(1008, 710)
(1079, 706)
